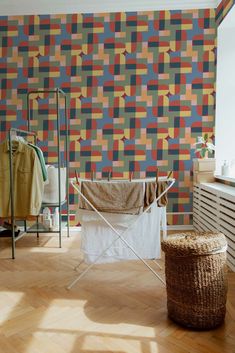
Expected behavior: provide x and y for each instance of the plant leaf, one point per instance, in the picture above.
(210, 146)
(201, 139)
(203, 152)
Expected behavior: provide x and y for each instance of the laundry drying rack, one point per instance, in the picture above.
(119, 235)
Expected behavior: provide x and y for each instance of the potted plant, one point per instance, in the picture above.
(204, 147)
(204, 167)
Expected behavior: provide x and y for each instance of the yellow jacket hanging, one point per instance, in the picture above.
(27, 181)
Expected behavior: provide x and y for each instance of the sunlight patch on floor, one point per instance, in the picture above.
(6, 310)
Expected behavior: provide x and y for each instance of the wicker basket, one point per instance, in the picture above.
(196, 279)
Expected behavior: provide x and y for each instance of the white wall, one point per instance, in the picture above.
(31, 7)
(225, 92)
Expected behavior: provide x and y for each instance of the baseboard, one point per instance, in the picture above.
(174, 227)
(64, 229)
(169, 227)
(180, 227)
(74, 229)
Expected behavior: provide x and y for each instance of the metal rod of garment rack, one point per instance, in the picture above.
(57, 92)
(119, 235)
(12, 196)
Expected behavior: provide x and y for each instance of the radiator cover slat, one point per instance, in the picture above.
(214, 209)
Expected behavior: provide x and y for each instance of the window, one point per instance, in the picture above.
(225, 96)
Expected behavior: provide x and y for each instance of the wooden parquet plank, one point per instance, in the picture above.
(118, 307)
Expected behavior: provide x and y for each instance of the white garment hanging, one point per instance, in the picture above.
(50, 194)
(144, 236)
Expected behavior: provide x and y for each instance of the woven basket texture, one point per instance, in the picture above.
(196, 279)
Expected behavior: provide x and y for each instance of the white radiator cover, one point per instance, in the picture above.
(214, 209)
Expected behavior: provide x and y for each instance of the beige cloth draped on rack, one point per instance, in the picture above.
(113, 197)
(122, 197)
(154, 190)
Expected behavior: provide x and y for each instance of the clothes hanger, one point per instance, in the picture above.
(92, 175)
(157, 174)
(109, 175)
(169, 174)
(14, 141)
(76, 176)
(130, 176)
(15, 137)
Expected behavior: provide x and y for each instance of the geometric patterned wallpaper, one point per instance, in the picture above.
(223, 9)
(141, 88)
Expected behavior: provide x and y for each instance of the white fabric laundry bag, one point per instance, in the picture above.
(51, 186)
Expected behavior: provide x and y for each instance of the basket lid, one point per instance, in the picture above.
(194, 243)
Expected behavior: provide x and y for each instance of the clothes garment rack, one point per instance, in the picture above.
(57, 92)
(12, 196)
(119, 235)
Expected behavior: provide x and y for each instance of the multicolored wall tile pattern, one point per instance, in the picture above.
(141, 88)
(223, 9)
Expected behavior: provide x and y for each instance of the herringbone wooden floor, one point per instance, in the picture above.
(117, 307)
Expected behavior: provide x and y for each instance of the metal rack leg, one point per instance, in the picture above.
(68, 221)
(59, 161)
(78, 265)
(67, 162)
(155, 261)
(60, 227)
(37, 228)
(13, 238)
(12, 197)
